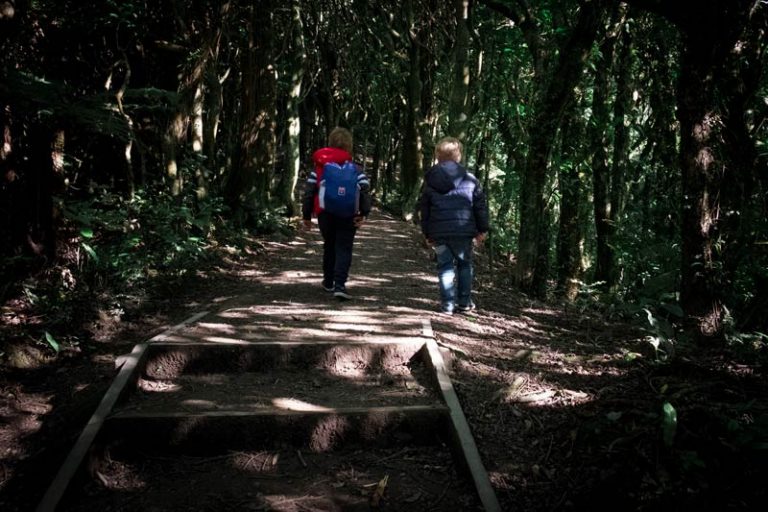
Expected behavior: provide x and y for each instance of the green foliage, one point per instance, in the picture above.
(58, 104)
(262, 221)
(52, 342)
(661, 335)
(668, 424)
(139, 238)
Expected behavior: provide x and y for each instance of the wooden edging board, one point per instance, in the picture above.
(128, 364)
(459, 427)
(351, 411)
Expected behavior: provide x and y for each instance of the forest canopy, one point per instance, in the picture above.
(622, 144)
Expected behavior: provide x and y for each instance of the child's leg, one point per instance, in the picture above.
(445, 275)
(328, 230)
(345, 238)
(462, 250)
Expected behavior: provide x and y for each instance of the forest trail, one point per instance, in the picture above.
(287, 364)
(565, 405)
(391, 281)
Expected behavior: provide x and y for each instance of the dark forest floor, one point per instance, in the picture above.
(566, 406)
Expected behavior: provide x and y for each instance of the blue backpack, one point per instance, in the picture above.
(339, 191)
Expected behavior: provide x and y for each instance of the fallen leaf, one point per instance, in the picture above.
(379, 492)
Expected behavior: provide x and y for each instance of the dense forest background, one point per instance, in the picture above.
(622, 144)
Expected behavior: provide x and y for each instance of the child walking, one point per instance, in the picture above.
(338, 231)
(454, 212)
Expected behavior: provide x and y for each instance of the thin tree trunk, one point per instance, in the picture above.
(570, 236)
(45, 163)
(621, 108)
(601, 177)
(411, 160)
(293, 149)
(533, 257)
(459, 108)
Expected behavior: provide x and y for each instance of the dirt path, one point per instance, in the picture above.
(565, 406)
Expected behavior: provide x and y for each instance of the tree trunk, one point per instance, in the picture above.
(214, 104)
(601, 178)
(459, 108)
(249, 183)
(293, 146)
(618, 181)
(570, 236)
(46, 161)
(712, 171)
(411, 160)
(510, 175)
(533, 246)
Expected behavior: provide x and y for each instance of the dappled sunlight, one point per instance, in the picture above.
(544, 312)
(178, 338)
(525, 388)
(415, 277)
(234, 314)
(199, 403)
(157, 386)
(226, 341)
(250, 273)
(290, 277)
(296, 321)
(219, 327)
(292, 404)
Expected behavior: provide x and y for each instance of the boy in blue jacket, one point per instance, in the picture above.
(454, 212)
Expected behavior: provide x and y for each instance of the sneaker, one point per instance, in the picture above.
(446, 309)
(466, 309)
(328, 287)
(341, 293)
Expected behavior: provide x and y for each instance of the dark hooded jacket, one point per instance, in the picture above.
(452, 203)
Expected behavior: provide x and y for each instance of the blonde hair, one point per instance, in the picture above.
(340, 138)
(448, 148)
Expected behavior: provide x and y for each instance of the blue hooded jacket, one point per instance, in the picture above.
(452, 202)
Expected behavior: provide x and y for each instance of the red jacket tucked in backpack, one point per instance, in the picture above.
(321, 157)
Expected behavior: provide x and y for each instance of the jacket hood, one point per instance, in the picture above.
(326, 155)
(445, 176)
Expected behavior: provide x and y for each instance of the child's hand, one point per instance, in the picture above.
(480, 238)
(359, 220)
(307, 224)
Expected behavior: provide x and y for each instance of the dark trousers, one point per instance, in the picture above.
(338, 235)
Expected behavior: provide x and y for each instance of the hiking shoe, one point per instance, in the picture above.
(466, 309)
(328, 287)
(446, 309)
(341, 293)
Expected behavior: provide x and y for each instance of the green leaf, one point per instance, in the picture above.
(52, 342)
(90, 251)
(668, 423)
(86, 233)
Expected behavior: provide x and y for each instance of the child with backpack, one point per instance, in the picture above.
(337, 192)
(454, 211)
